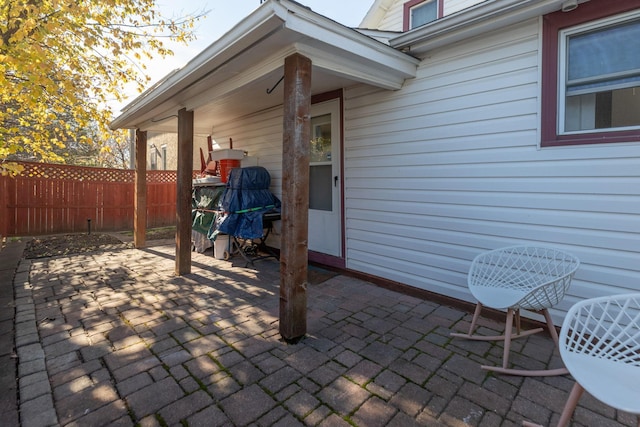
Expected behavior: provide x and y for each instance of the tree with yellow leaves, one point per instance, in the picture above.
(63, 61)
(115, 151)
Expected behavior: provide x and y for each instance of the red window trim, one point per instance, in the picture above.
(407, 8)
(552, 24)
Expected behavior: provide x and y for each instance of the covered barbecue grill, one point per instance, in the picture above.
(205, 199)
(246, 211)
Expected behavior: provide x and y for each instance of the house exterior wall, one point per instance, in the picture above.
(450, 166)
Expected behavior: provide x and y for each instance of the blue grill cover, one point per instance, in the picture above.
(245, 199)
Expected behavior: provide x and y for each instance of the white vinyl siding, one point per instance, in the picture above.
(392, 20)
(453, 6)
(260, 135)
(449, 166)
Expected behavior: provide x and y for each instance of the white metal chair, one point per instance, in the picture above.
(600, 346)
(533, 278)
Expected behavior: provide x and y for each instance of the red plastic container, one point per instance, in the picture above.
(225, 167)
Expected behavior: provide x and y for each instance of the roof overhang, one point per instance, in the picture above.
(467, 23)
(230, 77)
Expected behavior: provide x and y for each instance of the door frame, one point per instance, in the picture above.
(321, 258)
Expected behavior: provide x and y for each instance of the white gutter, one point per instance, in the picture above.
(478, 19)
(379, 35)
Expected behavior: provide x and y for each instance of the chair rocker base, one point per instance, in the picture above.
(527, 373)
(496, 337)
(508, 337)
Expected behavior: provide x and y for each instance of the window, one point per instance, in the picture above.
(164, 157)
(600, 86)
(591, 75)
(153, 157)
(420, 12)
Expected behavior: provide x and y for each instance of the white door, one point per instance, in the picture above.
(325, 228)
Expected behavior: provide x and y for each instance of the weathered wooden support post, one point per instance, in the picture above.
(183, 200)
(295, 195)
(140, 197)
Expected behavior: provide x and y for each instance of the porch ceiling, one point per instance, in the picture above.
(230, 78)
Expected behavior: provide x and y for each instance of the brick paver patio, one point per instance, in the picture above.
(114, 338)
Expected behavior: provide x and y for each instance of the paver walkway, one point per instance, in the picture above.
(114, 338)
(9, 260)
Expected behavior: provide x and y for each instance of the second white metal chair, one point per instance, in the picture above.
(532, 278)
(600, 345)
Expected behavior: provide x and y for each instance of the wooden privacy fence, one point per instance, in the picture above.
(50, 199)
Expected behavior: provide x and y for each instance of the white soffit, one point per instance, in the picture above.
(255, 49)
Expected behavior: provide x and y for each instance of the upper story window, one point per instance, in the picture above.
(600, 86)
(420, 12)
(591, 75)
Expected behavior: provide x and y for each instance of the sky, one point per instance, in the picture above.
(221, 17)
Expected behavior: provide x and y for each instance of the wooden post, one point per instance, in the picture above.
(295, 194)
(140, 198)
(183, 199)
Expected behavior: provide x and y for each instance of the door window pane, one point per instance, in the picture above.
(321, 139)
(321, 169)
(320, 192)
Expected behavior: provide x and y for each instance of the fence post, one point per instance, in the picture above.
(4, 206)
